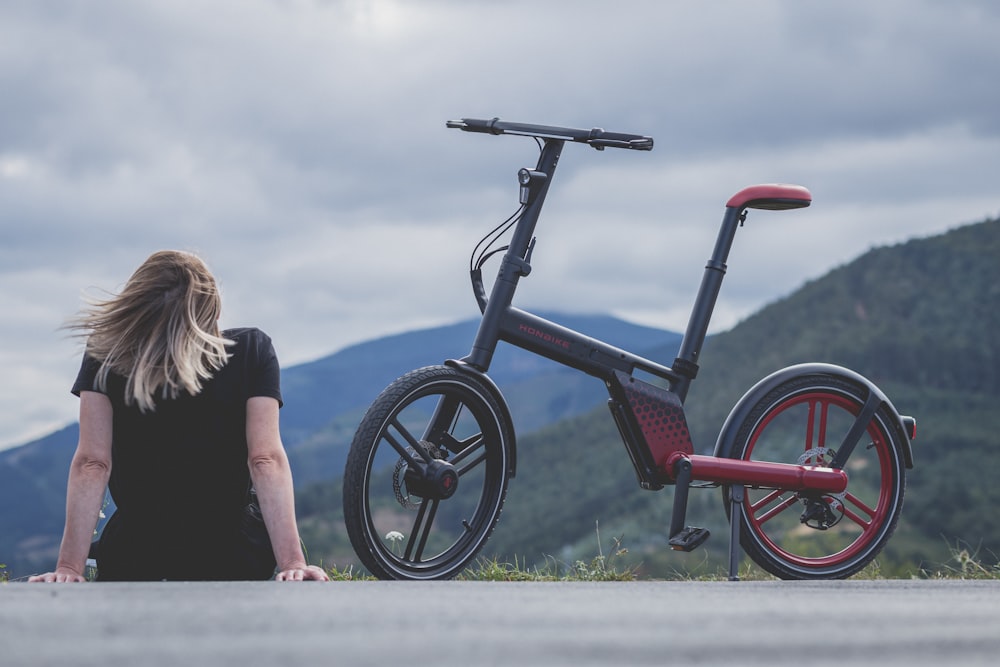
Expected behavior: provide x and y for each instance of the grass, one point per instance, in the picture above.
(964, 564)
(599, 568)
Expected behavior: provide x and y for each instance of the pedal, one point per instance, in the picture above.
(689, 539)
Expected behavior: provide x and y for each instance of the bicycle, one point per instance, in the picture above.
(429, 466)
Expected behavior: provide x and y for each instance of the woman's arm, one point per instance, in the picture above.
(272, 479)
(88, 479)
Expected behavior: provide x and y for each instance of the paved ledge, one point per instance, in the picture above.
(472, 624)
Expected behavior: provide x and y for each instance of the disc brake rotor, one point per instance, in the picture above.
(826, 511)
(817, 456)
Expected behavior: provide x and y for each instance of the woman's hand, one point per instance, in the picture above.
(306, 573)
(61, 575)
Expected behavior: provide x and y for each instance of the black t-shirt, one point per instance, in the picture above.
(179, 474)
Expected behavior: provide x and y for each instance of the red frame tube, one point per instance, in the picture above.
(763, 474)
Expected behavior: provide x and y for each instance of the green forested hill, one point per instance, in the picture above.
(922, 313)
(920, 319)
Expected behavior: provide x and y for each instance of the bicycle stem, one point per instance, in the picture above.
(514, 264)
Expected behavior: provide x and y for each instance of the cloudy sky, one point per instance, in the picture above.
(300, 147)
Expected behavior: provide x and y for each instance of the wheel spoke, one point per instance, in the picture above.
(763, 502)
(460, 447)
(406, 453)
(816, 421)
(821, 434)
(445, 416)
(810, 425)
(415, 531)
(861, 521)
(434, 504)
(421, 530)
(470, 446)
(774, 511)
(452, 444)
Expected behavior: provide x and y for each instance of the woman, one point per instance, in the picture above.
(180, 421)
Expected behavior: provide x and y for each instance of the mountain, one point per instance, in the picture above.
(33, 495)
(324, 401)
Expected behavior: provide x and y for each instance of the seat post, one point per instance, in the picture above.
(701, 314)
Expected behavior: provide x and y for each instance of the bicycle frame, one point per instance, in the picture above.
(650, 418)
(443, 434)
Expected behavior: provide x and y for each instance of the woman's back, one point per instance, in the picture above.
(179, 472)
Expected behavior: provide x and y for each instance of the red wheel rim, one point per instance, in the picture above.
(867, 514)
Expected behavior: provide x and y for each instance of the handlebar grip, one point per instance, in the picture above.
(476, 125)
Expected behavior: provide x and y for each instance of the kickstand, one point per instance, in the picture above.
(736, 499)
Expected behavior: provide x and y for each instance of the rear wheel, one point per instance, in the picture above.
(796, 535)
(427, 475)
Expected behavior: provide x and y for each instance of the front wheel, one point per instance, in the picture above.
(427, 475)
(820, 536)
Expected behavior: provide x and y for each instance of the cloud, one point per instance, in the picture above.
(300, 147)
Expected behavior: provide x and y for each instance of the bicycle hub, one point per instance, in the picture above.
(436, 480)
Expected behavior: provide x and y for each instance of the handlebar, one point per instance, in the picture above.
(595, 137)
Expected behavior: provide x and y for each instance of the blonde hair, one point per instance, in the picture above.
(161, 332)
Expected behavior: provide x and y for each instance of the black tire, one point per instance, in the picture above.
(804, 420)
(434, 414)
